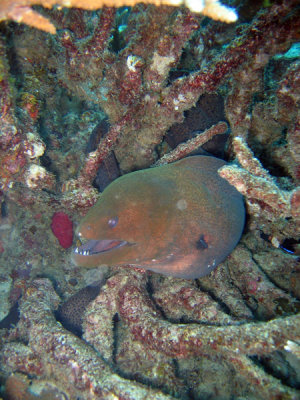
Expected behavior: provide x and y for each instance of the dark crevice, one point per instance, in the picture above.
(267, 276)
(285, 373)
(220, 302)
(115, 335)
(178, 374)
(150, 291)
(184, 319)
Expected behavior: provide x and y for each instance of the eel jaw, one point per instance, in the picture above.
(93, 247)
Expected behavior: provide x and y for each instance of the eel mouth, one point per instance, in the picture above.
(92, 247)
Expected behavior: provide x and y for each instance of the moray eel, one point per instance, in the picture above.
(180, 219)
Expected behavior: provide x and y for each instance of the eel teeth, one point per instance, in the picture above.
(82, 252)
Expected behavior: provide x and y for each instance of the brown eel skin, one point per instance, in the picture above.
(180, 219)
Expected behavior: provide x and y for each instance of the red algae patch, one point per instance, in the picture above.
(62, 228)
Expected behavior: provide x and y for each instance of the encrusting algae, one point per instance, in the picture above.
(126, 84)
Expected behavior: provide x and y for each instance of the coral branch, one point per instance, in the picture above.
(260, 294)
(97, 45)
(256, 42)
(262, 193)
(269, 387)
(184, 149)
(126, 294)
(179, 340)
(186, 340)
(88, 173)
(62, 356)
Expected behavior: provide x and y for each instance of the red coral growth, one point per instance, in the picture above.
(62, 228)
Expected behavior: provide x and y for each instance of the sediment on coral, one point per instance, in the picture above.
(232, 334)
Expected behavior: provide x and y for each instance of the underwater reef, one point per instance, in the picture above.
(88, 94)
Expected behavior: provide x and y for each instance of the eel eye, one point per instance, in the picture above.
(112, 222)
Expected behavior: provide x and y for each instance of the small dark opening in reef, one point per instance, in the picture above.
(15, 68)
(108, 170)
(265, 237)
(176, 74)
(45, 161)
(118, 39)
(291, 246)
(12, 317)
(115, 321)
(265, 154)
(208, 111)
(285, 375)
(4, 209)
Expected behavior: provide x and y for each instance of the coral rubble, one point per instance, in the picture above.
(137, 71)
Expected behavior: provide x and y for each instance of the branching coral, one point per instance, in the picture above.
(188, 147)
(153, 322)
(156, 105)
(20, 10)
(82, 372)
(72, 361)
(132, 85)
(232, 334)
(262, 193)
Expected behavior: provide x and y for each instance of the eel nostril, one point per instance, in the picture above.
(112, 222)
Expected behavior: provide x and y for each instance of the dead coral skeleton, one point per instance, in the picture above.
(262, 193)
(140, 110)
(20, 149)
(184, 149)
(156, 113)
(20, 10)
(164, 320)
(71, 361)
(53, 353)
(154, 322)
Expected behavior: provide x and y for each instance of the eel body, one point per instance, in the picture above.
(180, 219)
